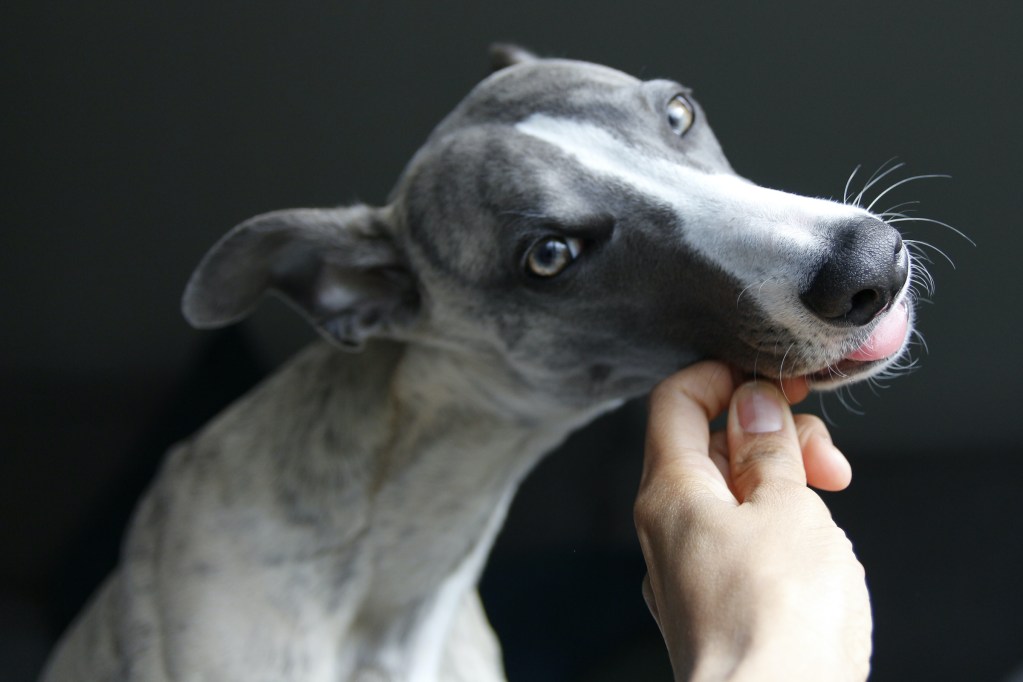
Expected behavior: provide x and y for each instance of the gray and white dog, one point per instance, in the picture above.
(567, 236)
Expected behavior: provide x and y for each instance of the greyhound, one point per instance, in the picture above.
(565, 238)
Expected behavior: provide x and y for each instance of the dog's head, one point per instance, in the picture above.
(584, 230)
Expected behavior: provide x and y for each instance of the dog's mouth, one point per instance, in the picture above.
(885, 343)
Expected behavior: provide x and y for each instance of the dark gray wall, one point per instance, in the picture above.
(135, 133)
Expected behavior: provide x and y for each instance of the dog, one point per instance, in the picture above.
(567, 237)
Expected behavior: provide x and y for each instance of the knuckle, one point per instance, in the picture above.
(659, 508)
(811, 421)
(662, 390)
(648, 511)
(810, 426)
(786, 497)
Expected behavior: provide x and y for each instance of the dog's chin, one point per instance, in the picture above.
(882, 348)
(845, 372)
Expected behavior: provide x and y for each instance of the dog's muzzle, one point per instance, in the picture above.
(858, 288)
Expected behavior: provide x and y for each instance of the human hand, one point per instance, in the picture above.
(749, 578)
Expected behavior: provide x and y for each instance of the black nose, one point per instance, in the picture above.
(864, 270)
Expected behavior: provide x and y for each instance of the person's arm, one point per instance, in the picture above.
(749, 578)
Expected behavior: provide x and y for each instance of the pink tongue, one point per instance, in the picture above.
(887, 339)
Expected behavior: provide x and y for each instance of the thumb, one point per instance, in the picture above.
(763, 443)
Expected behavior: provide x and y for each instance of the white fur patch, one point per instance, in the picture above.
(763, 238)
(728, 219)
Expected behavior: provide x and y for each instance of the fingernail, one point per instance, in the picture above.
(759, 411)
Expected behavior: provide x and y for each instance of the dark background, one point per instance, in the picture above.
(135, 134)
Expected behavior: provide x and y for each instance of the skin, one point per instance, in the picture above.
(749, 577)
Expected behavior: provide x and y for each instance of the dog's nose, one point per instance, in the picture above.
(862, 273)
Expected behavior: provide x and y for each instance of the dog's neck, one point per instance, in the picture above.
(424, 444)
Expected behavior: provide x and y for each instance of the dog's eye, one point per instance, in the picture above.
(680, 115)
(548, 257)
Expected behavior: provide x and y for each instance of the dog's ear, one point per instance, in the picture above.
(340, 267)
(503, 55)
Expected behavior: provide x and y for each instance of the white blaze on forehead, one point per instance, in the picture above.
(727, 218)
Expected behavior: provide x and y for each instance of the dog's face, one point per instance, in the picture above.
(613, 243)
(585, 228)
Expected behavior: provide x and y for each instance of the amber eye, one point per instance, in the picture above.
(680, 115)
(548, 257)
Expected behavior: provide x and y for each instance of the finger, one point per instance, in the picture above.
(826, 466)
(681, 409)
(719, 452)
(795, 389)
(762, 440)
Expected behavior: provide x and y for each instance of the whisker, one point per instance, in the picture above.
(845, 192)
(927, 286)
(852, 398)
(917, 259)
(781, 369)
(748, 287)
(875, 178)
(922, 244)
(891, 211)
(824, 411)
(911, 178)
(918, 254)
(919, 338)
(840, 394)
(910, 219)
(882, 167)
(888, 215)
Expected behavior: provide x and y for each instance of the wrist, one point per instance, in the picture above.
(769, 660)
(759, 664)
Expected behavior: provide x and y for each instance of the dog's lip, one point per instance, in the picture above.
(886, 340)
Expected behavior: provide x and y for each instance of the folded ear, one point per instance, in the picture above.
(340, 267)
(503, 55)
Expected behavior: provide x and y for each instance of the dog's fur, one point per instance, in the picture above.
(332, 524)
